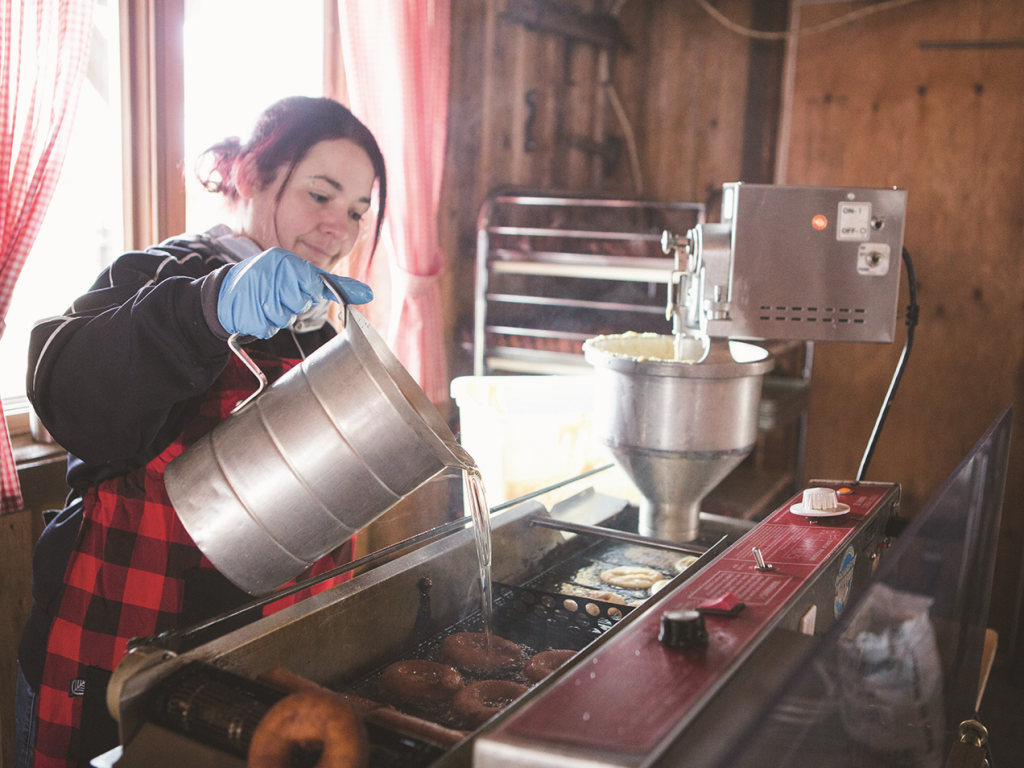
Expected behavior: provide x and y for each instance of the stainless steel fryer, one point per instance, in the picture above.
(341, 638)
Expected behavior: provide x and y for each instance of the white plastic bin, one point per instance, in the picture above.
(528, 432)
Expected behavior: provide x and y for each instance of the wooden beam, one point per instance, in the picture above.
(764, 81)
(153, 123)
(600, 29)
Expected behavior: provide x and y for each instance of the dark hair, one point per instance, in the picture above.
(284, 133)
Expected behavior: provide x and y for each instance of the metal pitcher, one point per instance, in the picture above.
(329, 447)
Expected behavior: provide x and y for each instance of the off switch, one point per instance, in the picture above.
(683, 629)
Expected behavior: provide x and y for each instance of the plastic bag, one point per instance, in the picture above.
(891, 680)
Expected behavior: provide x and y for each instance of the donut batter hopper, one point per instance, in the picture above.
(680, 411)
(676, 427)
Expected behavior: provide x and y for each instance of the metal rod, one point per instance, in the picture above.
(934, 45)
(537, 333)
(578, 233)
(611, 533)
(605, 269)
(549, 488)
(539, 198)
(547, 301)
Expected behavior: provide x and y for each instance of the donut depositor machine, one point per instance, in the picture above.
(343, 637)
(680, 675)
(626, 698)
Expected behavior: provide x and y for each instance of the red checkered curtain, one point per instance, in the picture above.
(43, 54)
(396, 70)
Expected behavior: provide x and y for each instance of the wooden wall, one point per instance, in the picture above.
(43, 488)
(870, 107)
(875, 105)
(681, 79)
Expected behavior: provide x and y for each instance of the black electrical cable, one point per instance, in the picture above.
(912, 315)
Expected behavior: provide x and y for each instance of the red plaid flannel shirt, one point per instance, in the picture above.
(126, 577)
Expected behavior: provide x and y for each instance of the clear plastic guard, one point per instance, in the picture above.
(890, 682)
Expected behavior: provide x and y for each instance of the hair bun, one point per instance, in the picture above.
(215, 168)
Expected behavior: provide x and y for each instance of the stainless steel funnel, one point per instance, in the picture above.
(677, 428)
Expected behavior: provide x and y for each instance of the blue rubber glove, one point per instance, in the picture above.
(266, 292)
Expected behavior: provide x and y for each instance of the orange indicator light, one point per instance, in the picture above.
(819, 222)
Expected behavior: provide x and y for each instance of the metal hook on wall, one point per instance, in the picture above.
(529, 141)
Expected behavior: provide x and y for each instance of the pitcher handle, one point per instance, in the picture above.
(343, 315)
(235, 345)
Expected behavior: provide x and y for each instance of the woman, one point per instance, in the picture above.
(139, 368)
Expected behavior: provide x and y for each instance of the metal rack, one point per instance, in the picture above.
(553, 270)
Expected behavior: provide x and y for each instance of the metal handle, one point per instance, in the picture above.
(761, 565)
(235, 345)
(611, 533)
(343, 315)
(969, 751)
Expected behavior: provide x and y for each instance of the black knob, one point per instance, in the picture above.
(683, 629)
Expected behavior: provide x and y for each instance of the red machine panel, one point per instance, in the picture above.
(633, 693)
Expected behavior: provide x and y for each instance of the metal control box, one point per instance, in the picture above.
(811, 263)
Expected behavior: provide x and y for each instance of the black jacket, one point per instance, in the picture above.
(119, 375)
(116, 379)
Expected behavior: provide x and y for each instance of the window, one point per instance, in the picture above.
(261, 50)
(239, 56)
(83, 228)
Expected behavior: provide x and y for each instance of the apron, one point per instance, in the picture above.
(136, 572)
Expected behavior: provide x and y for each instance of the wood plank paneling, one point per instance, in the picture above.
(16, 544)
(681, 79)
(873, 108)
(682, 82)
(696, 89)
(43, 488)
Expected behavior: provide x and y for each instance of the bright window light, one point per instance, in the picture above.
(84, 226)
(240, 57)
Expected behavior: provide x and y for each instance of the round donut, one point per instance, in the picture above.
(660, 585)
(631, 577)
(479, 702)
(593, 594)
(421, 682)
(544, 663)
(310, 721)
(468, 651)
(684, 562)
(652, 557)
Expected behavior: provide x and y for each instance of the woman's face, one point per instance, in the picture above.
(319, 213)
